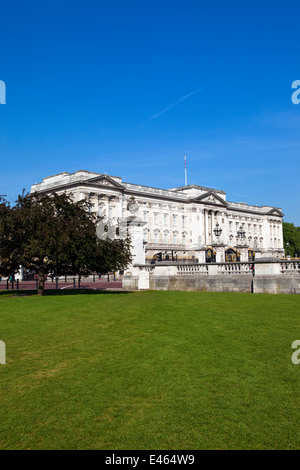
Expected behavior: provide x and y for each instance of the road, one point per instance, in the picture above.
(85, 284)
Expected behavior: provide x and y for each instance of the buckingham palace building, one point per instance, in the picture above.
(186, 224)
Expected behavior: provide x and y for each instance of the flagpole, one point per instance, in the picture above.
(185, 173)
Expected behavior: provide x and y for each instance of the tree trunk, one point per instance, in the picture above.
(41, 281)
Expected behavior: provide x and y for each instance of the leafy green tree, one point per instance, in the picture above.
(291, 235)
(9, 241)
(53, 235)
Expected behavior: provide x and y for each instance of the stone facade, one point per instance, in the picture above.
(179, 223)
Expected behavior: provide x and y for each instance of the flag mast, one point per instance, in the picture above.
(185, 173)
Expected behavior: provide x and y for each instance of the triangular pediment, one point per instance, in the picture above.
(105, 181)
(275, 211)
(211, 198)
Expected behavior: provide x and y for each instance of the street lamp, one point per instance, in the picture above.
(217, 231)
(288, 249)
(241, 235)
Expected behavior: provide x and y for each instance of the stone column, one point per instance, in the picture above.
(204, 227)
(243, 253)
(134, 227)
(220, 253)
(200, 255)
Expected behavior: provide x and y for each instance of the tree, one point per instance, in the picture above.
(55, 236)
(9, 242)
(291, 235)
(112, 255)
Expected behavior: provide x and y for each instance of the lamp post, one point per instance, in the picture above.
(288, 250)
(242, 255)
(217, 231)
(218, 253)
(241, 235)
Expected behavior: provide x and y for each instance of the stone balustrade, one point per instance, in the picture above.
(260, 267)
(235, 268)
(262, 276)
(192, 269)
(290, 267)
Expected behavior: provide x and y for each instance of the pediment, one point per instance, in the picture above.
(105, 181)
(276, 211)
(211, 198)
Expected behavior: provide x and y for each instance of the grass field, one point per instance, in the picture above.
(150, 370)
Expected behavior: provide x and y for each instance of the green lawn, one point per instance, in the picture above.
(150, 370)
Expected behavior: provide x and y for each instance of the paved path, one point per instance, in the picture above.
(97, 285)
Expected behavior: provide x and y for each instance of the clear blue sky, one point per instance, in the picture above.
(130, 87)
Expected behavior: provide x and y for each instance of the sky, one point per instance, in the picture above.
(130, 88)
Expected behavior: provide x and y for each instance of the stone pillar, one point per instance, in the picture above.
(204, 228)
(210, 230)
(220, 253)
(267, 268)
(200, 255)
(165, 270)
(213, 269)
(142, 277)
(134, 226)
(243, 253)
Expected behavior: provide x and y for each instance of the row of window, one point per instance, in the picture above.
(174, 239)
(274, 229)
(252, 242)
(166, 218)
(167, 239)
(236, 225)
